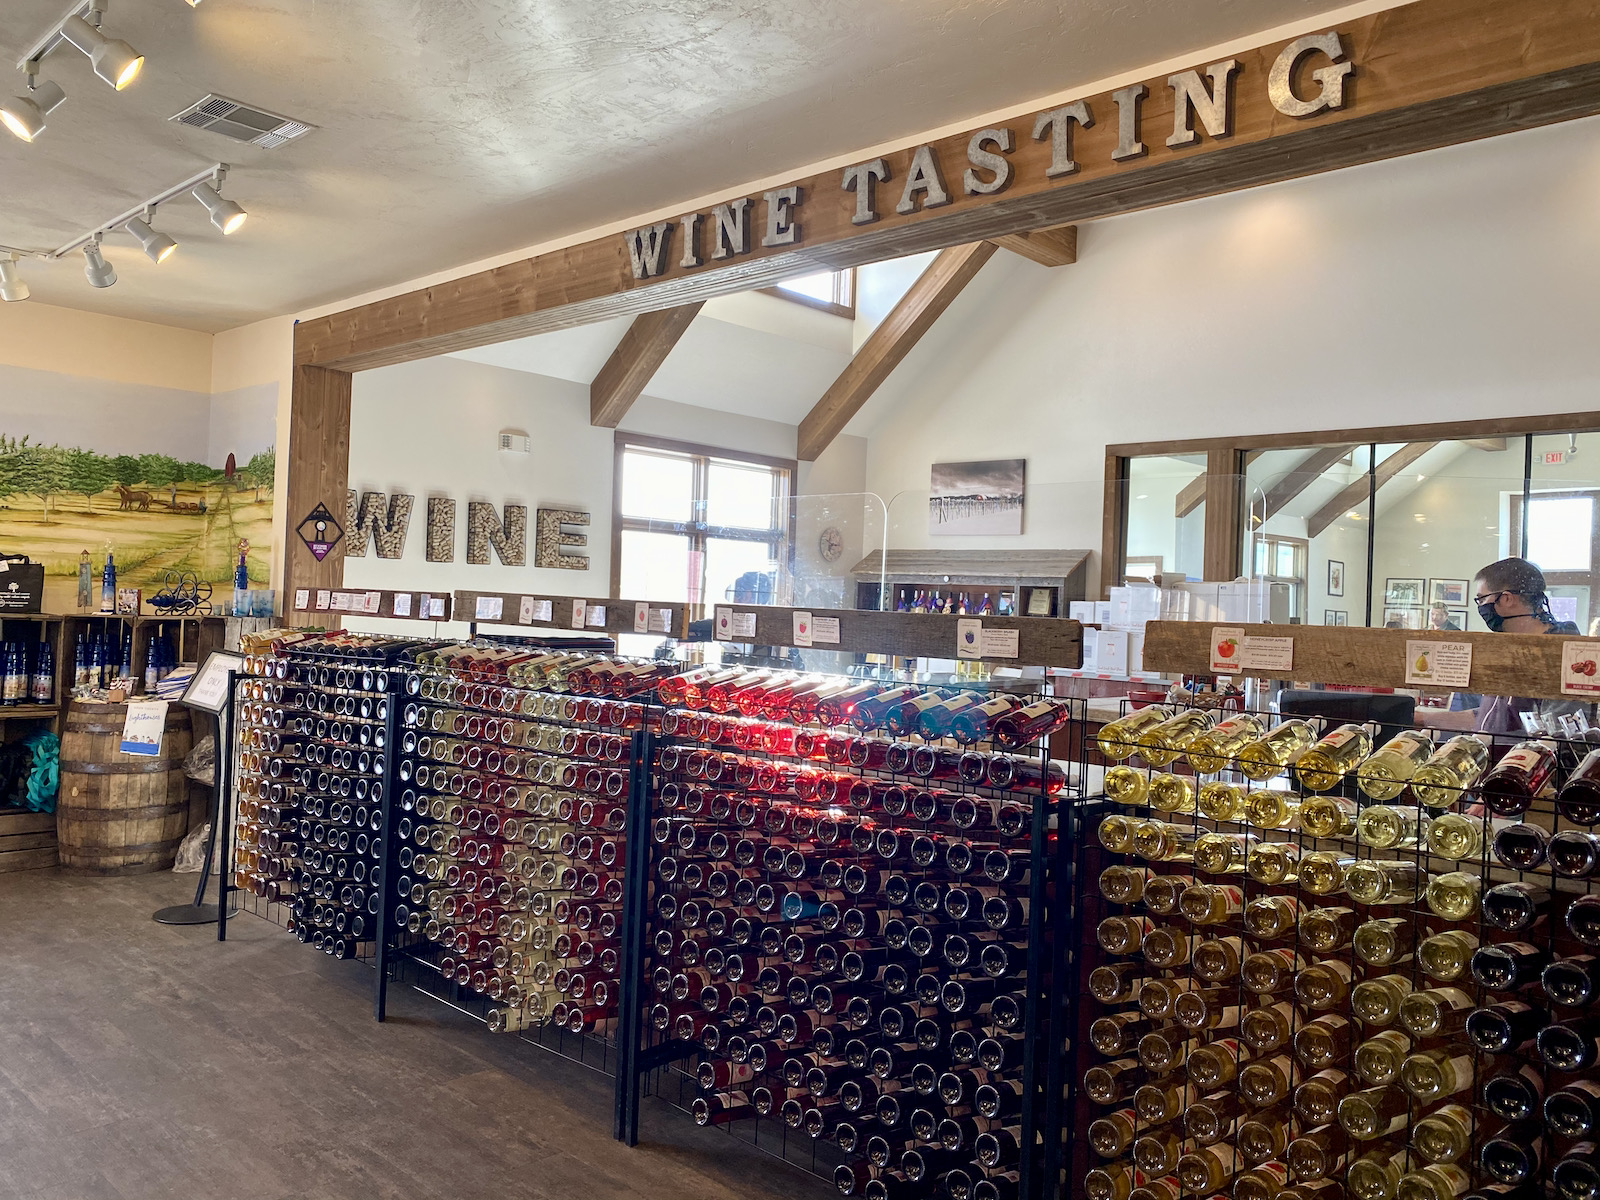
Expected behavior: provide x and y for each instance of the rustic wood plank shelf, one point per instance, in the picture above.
(1503, 664)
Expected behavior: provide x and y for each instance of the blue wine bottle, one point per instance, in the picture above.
(108, 585)
(43, 689)
(126, 671)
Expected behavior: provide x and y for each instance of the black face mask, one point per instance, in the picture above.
(1491, 618)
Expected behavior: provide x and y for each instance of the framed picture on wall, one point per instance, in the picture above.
(1405, 593)
(1459, 617)
(1452, 593)
(1335, 616)
(977, 497)
(1403, 616)
(1335, 578)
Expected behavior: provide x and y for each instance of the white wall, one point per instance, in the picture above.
(1443, 286)
(430, 428)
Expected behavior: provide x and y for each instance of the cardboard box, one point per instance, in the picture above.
(1111, 653)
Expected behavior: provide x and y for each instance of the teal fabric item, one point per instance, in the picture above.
(44, 781)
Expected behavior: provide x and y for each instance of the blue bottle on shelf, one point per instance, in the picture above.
(97, 661)
(42, 689)
(241, 585)
(126, 671)
(108, 585)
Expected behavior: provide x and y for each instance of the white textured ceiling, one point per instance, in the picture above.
(452, 130)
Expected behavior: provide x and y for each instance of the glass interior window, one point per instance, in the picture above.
(1166, 515)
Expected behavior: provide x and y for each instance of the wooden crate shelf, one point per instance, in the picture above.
(27, 840)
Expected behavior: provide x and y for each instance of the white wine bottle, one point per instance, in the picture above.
(1215, 748)
(1279, 748)
(1450, 771)
(1322, 767)
(1386, 774)
(1119, 739)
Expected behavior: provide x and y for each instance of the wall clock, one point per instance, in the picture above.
(831, 544)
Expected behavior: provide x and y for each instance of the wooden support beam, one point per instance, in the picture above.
(635, 361)
(1047, 247)
(1425, 74)
(1297, 479)
(889, 343)
(1190, 497)
(1224, 509)
(1354, 496)
(1491, 444)
(319, 471)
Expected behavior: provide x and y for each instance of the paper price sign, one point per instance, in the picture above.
(489, 608)
(969, 638)
(1439, 664)
(1580, 669)
(1232, 652)
(722, 627)
(641, 617)
(577, 614)
(802, 629)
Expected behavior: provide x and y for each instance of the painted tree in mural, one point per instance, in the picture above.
(260, 471)
(158, 470)
(125, 470)
(89, 474)
(33, 470)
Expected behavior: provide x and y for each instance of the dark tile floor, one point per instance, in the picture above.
(142, 1061)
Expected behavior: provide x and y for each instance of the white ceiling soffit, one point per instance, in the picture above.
(576, 354)
(454, 130)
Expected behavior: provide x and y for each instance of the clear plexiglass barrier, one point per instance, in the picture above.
(1399, 544)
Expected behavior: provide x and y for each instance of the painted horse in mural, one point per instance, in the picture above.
(130, 499)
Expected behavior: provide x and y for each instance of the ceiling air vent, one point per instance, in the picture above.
(241, 122)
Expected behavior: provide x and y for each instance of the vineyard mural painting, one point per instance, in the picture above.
(161, 515)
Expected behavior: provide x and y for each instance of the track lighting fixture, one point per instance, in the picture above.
(112, 59)
(158, 247)
(225, 214)
(100, 273)
(24, 115)
(12, 286)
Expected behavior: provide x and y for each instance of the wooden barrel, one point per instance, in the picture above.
(120, 814)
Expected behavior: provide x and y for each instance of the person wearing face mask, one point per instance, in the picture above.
(1511, 598)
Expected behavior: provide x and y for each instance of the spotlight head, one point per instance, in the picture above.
(24, 115)
(11, 285)
(113, 60)
(158, 247)
(100, 273)
(225, 214)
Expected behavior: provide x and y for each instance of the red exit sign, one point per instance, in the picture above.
(1553, 458)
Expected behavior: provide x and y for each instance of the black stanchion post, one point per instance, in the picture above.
(634, 908)
(224, 778)
(382, 933)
